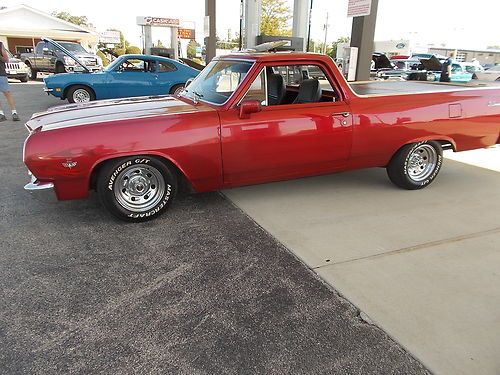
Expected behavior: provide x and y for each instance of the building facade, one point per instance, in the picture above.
(22, 27)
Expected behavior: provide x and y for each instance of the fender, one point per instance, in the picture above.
(149, 153)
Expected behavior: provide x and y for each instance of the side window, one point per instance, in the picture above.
(292, 89)
(39, 48)
(257, 90)
(166, 67)
(133, 65)
(455, 68)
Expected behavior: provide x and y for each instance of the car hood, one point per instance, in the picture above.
(103, 111)
(432, 64)
(13, 60)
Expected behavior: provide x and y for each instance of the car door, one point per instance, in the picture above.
(458, 74)
(39, 57)
(285, 140)
(131, 77)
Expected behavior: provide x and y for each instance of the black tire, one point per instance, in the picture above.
(24, 79)
(176, 90)
(60, 68)
(32, 73)
(416, 165)
(74, 92)
(131, 187)
(474, 76)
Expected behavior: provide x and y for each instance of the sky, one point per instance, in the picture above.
(450, 22)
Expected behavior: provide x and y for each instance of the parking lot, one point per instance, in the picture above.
(202, 290)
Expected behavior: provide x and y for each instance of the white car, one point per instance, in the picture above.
(492, 74)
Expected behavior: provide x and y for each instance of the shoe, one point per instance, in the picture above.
(2, 118)
(15, 117)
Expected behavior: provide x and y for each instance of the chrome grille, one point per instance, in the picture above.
(89, 61)
(12, 66)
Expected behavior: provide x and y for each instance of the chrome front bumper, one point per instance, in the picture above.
(45, 189)
(36, 185)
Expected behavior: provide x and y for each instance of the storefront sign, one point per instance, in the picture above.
(157, 21)
(185, 33)
(358, 8)
(109, 37)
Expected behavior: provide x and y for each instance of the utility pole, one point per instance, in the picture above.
(309, 26)
(240, 41)
(210, 37)
(326, 33)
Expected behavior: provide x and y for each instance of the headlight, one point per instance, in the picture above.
(99, 61)
(68, 60)
(22, 65)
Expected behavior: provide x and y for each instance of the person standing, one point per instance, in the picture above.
(4, 85)
(446, 69)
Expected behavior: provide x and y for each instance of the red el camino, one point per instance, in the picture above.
(253, 118)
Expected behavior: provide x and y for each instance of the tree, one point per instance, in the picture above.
(191, 49)
(275, 18)
(133, 50)
(333, 51)
(77, 20)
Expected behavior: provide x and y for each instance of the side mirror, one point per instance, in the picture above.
(247, 107)
(45, 51)
(188, 82)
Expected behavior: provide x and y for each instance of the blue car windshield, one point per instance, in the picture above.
(217, 82)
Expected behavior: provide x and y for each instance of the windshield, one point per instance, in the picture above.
(73, 47)
(217, 82)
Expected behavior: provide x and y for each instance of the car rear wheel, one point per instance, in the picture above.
(136, 188)
(176, 90)
(416, 165)
(80, 94)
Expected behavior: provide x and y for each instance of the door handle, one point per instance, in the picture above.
(493, 104)
(343, 114)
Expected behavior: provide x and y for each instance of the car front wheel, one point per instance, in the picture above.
(416, 165)
(136, 188)
(80, 94)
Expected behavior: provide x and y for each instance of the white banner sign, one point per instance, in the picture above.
(109, 37)
(358, 8)
(157, 21)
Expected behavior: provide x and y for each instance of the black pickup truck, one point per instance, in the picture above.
(48, 58)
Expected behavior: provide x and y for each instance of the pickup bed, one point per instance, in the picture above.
(50, 59)
(254, 118)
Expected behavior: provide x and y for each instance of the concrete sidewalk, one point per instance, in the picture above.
(423, 265)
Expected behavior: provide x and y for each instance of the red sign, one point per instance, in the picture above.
(185, 33)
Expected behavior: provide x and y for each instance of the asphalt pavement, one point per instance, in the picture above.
(201, 290)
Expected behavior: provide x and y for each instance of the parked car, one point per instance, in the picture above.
(238, 123)
(51, 58)
(16, 69)
(403, 68)
(459, 74)
(127, 76)
(491, 74)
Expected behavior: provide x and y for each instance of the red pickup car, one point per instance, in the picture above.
(253, 118)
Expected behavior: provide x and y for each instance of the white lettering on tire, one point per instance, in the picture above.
(155, 210)
(116, 173)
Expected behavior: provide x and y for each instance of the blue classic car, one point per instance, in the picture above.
(128, 75)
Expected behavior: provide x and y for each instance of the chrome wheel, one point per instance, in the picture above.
(81, 96)
(422, 162)
(139, 188)
(178, 90)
